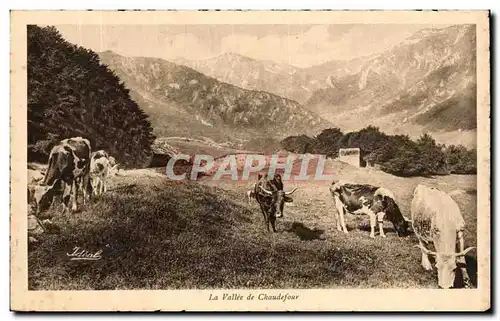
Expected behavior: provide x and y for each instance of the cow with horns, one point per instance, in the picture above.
(438, 223)
(271, 197)
(376, 202)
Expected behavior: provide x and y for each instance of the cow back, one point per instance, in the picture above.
(61, 160)
(434, 211)
(80, 147)
(350, 194)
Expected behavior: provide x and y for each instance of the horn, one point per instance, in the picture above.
(464, 251)
(265, 190)
(407, 219)
(291, 192)
(425, 250)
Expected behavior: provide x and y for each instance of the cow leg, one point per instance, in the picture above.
(98, 186)
(462, 262)
(380, 219)
(74, 206)
(373, 218)
(340, 215)
(264, 213)
(426, 264)
(66, 196)
(86, 187)
(272, 219)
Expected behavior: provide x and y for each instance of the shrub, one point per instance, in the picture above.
(396, 154)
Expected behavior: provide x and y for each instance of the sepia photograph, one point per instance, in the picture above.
(250, 160)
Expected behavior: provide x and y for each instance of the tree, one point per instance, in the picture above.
(327, 142)
(71, 94)
(460, 160)
(396, 154)
(298, 144)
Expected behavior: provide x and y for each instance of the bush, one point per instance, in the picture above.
(71, 94)
(461, 160)
(396, 154)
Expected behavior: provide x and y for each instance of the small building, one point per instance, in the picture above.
(351, 156)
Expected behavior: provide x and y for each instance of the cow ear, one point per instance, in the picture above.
(288, 199)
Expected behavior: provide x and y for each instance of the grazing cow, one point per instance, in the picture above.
(69, 164)
(437, 222)
(271, 198)
(113, 166)
(250, 194)
(376, 202)
(40, 197)
(101, 165)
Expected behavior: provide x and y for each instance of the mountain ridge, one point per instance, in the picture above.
(177, 96)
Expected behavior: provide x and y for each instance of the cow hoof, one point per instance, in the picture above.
(346, 232)
(372, 236)
(383, 236)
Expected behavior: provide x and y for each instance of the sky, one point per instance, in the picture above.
(299, 45)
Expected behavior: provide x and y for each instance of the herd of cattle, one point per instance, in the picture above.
(435, 217)
(72, 166)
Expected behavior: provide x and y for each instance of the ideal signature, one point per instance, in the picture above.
(84, 255)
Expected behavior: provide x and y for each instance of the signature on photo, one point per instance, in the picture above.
(80, 254)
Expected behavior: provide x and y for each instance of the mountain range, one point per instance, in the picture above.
(280, 79)
(183, 102)
(426, 83)
(428, 80)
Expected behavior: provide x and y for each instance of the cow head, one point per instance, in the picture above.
(279, 197)
(113, 170)
(395, 216)
(43, 195)
(446, 263)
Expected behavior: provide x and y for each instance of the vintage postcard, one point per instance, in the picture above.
(250, 161)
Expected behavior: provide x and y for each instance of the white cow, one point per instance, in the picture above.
(437, 222)
(250, 195)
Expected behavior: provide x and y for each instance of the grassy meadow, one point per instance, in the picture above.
(161, 234)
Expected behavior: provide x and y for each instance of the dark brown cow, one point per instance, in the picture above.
(69, 164)
(271, 198)
(376, 202)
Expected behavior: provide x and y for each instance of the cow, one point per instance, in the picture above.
(41, 197)
(113, 166)
(69, 166)
(101, 166)
(271, 198)
(363, 199)
(437, 222)
(250, 194)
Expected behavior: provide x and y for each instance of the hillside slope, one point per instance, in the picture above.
(182, 101)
